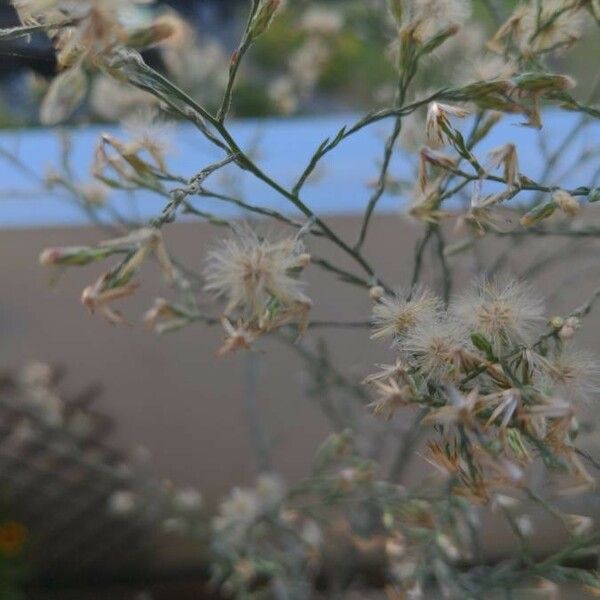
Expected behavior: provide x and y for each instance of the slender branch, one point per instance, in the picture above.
(445, 268)
(419, 251)
(404, 453)
(253, 414)
(406, 76)
(234, 65)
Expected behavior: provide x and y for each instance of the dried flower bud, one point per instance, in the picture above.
(437, 159)
(538, 213)
(262, 18)
(507, 157)
(573, 322)
(437, 126)
(567, 203)
(376, 292)
(160, 30)
(64, 95)
(543, 82)
(566, 333)
(73, 255)
(569, 328)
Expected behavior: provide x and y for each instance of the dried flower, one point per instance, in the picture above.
(394, 316)
(148, 131)
(438, 126)
(460, 410)
(545, 27)
(100, 295)
(391, 396)
(377, 292)
(240, 337)
(566, 202)
(492, 67)
(262, 17)
(433, 345)
(555, 26)
(64, 95)
(259, 278)
(504, 311)
(567, 329)
(424, 19)
(162, 317)
(506, 156)
(538, 213)
(573, 372)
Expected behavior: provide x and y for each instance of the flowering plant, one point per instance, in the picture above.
(494, 381)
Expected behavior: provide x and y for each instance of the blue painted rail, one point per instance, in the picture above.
(283, 148)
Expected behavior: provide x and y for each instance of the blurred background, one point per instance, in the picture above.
(318, 57)
(91, 413)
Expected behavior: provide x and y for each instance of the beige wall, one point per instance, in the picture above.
(173, 395)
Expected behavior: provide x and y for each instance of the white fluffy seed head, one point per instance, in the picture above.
(506, 312)
(433, 345)
(249, 272)
(394, 316)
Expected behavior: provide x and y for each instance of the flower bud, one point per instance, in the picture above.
(263, 17)
(538, 213)
(437, 124)
(376, 292)
(542, 82)
(160, 30)
(65, 94)
(74, 255)
(303, 260)
(507, 157)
